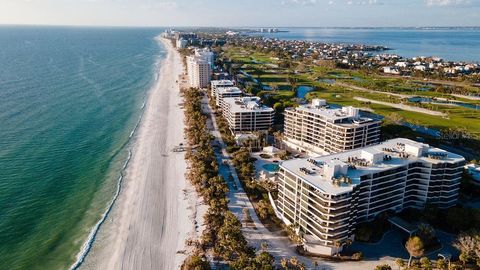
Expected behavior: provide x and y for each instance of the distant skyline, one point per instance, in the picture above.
(246, 13)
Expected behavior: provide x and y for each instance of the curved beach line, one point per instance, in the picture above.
(87, 246)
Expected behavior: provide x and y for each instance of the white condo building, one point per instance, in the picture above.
(215, 84)
(226, 92)
(181, 43)
(207, 55)
(198, 71)
(318, 129)
(247, 114)
(327, 196)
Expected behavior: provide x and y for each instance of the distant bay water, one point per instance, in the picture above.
(70, 99)
(454, 44)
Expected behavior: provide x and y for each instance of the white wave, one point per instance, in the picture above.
(93, 233)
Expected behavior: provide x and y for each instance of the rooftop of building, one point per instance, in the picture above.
(229, 90)
(246, 104)
(197, 59)
(222, 82)
(342, 116)
(339, 173)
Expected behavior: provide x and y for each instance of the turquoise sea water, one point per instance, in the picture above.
(69, 101)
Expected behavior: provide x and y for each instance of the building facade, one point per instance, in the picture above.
(226, 92)
(199, 72)
(207, 55)
(247, 114)
(215, 84)
(326, 197)
(318, 129)
(181, 43)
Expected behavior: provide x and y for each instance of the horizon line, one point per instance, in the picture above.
(231, 27)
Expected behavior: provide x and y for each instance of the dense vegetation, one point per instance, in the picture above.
(222, 235)
(453, 220)
(469, 245)
(372, 231)
(257, 191)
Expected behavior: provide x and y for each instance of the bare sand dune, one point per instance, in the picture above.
(150, 220)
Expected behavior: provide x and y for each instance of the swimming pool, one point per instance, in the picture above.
(271, 167)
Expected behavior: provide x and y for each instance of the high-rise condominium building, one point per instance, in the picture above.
(318, 129)
(215, 84)
(247, 114)
(226, 92)
(207, 55)
(198, 72)
(327, 196)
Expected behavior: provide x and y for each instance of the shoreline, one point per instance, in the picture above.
(151, 217)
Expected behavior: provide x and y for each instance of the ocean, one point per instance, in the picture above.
(70, 100)
(453, 44)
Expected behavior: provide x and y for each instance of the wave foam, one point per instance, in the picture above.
(87, 246)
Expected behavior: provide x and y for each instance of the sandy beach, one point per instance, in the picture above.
(153, 214)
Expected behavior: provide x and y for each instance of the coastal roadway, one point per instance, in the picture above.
(256, 234)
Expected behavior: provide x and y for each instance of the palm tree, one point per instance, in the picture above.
(400, 263)
(383, 267)
(284, 263)
(415, 248)
(441, 264)
(278, 138)
(425, 263)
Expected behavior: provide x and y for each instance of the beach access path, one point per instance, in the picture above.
(152, 217)
(278, 245)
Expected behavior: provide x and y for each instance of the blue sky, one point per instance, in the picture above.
(321, 13)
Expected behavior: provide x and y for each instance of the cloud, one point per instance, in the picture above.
(447, 2)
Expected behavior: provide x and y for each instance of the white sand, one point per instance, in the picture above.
(150, 220)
